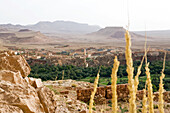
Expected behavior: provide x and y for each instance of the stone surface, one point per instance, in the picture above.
(46, 97)
(5, 108)
(31, 81)
(69, 105)
(38, 83)
(12, 62)
(13, 77)
(24, 97)
(64, 92)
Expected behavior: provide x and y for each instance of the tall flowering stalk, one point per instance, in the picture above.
(113, 85)
(93, 93)
(140, 66)
(137, 77)
(161, 89)
(130, 70)
(150, 89)
(148, 82)
(144, 101)
(138, 73)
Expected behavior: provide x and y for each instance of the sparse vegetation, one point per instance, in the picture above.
(53, 89)
(73, 85)
(155, 106)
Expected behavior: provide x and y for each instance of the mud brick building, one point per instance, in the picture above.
(122, 93)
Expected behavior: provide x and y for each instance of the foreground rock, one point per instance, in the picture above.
(9, 109)
(46, 97)
(22, 95)
(12, 62)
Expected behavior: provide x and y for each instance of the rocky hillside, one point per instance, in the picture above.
(21, 94)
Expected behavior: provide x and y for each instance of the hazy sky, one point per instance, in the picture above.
(154, 13)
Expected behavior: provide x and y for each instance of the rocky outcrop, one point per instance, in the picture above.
(11, 76)
(12, 62)
(46, 97)
(5, 108)
(24, 97)
(19, 93)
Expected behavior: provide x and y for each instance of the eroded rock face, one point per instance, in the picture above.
(5, 108)
(23, 96)
(46, 97)
(12, 62)
(19, 93)
(11, 76)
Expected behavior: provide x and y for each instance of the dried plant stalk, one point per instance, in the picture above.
(148, 81)
(139, 70)
(144, 102)
(93, 93)
(130, 70)
(161, 89)
(113, 85)
(150, 90)
(138, 73)
(140, 66)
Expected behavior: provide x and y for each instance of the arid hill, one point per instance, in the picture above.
(75, 35)
(23, 36)
(114, 32)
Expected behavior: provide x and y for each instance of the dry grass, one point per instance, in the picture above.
(130, 70)
(93, 93)
(144, 102)
(161, 89)
(113, 85)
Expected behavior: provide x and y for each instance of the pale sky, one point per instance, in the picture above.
(154, 13)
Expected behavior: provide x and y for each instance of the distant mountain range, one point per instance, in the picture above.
(155, 33)
(67, 31)
(65, 27)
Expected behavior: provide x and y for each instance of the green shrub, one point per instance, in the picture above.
(73, 85)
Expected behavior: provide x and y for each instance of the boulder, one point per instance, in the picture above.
(24, 97)
(19, 93)
(31, 81)
(38, 83)
(64, 92)
(46, 97)
(12, 62)
(5, 108)
(11, 76)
